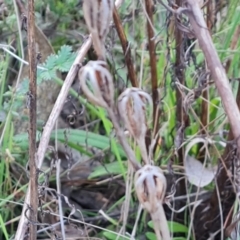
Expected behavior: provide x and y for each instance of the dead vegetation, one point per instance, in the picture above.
(137, 125)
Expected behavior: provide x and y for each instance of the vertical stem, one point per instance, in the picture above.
(160, 224)
(126, 48)
(179, 73)
(182, 118)
(32, 122)
(210, 14)
(153, 65)
(204, 107)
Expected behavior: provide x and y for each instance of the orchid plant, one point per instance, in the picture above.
(97, 84)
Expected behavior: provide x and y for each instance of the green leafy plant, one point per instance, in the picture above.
(62, 61)
(174, 228)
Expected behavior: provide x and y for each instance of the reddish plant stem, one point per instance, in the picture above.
(181, 116)
(180, 75)
(210, 14)
(32, 98)
(204, 107)
(153, 66)
(126, 48)
(233, 46)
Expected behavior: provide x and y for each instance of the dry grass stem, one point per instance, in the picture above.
(32, 98)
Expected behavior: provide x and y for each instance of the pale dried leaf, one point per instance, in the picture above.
(197, 174)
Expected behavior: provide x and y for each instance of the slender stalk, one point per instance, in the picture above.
(180, 75)
(58, 182)
(160, 224)
(181, 116)
(126, 48)
(205, 93)
(153, 65)
(123, 140)
(32, 98)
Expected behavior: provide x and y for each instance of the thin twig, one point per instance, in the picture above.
(58, 181)
(126, 205)
(126, 48)
(32, 116)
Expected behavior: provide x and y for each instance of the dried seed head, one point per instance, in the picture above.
(98, 14)
(132, 108)
(97, 84)
(150, 185)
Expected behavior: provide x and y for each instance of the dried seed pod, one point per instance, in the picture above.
(97, 84)
(150, 184)
(132, 108)
(98, 14)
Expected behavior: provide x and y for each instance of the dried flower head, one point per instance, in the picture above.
(98, 14)
(132, 108)
(97, 84)
(150, 184)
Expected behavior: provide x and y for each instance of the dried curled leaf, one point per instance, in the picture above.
(98, 14)
(196, 172)
(97, 84)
